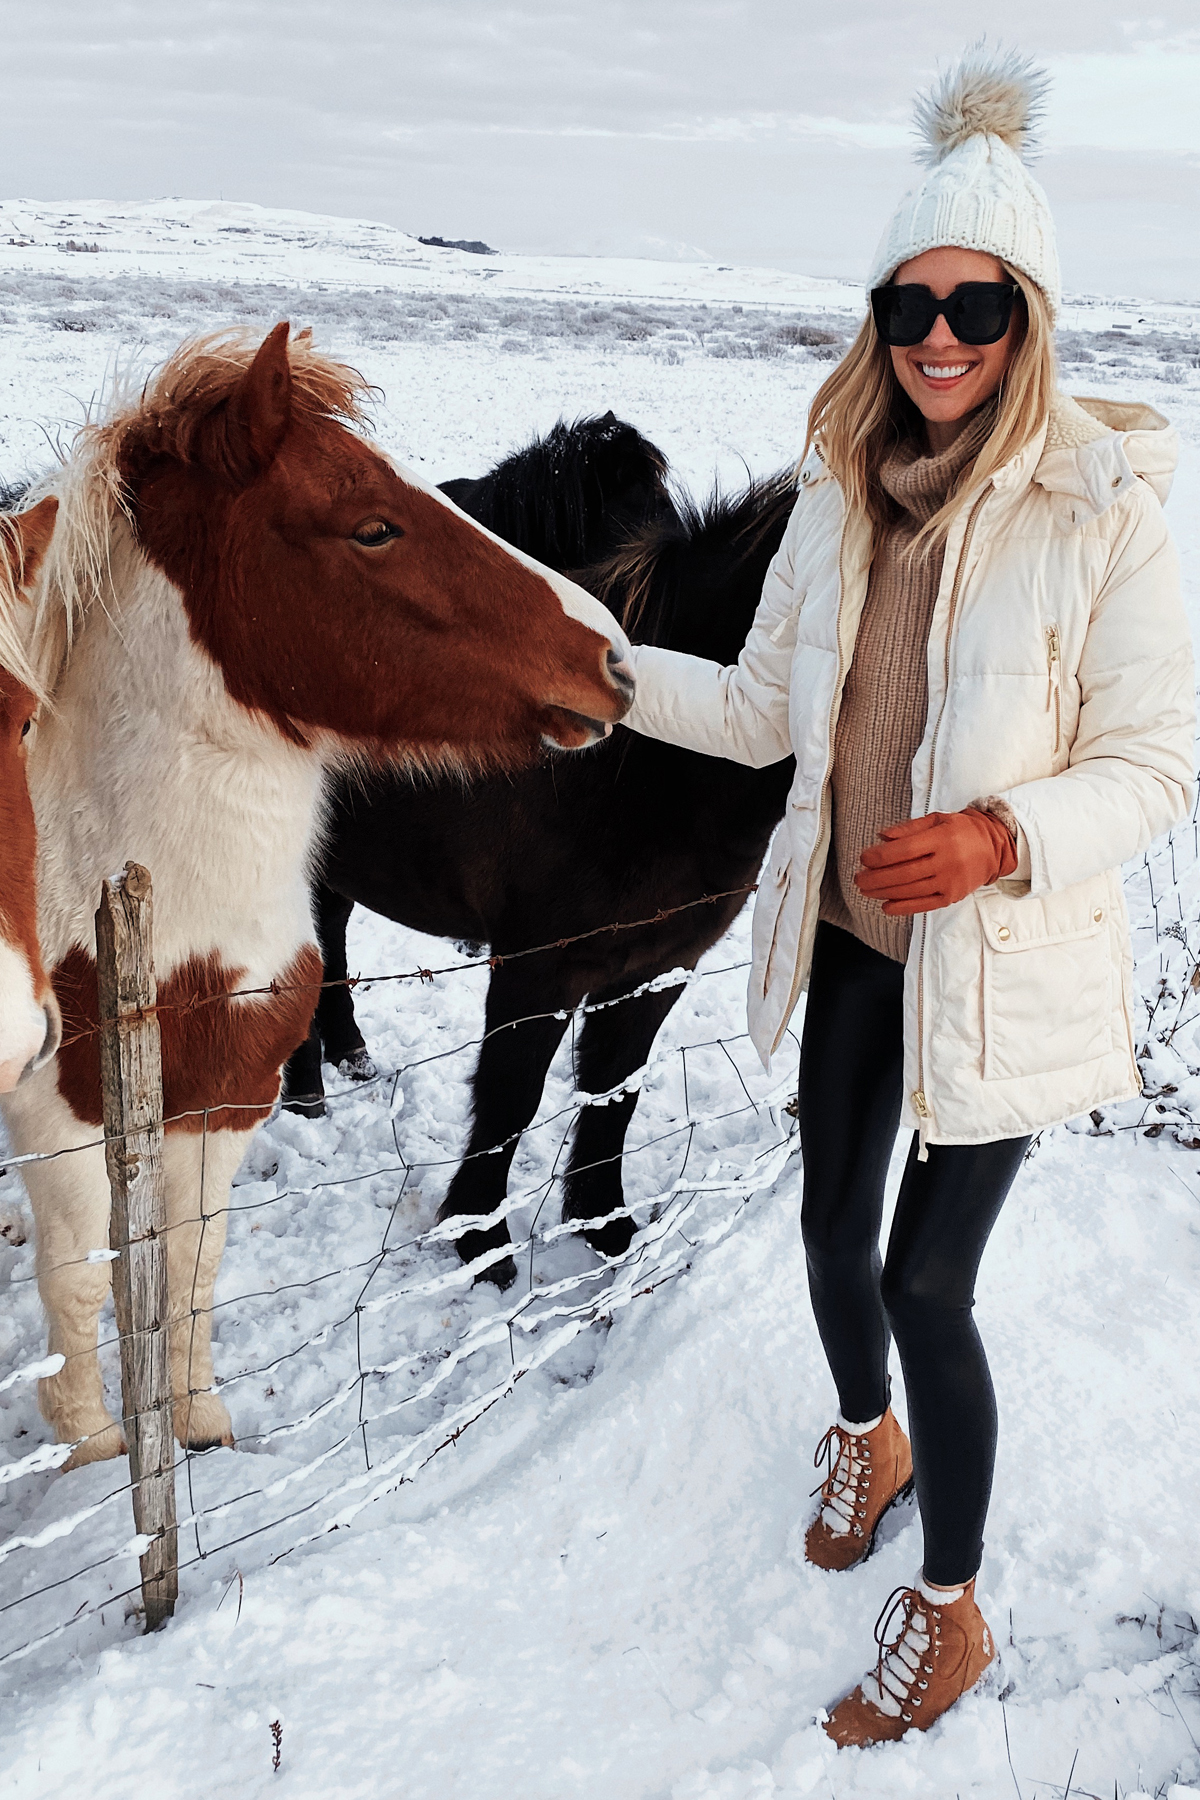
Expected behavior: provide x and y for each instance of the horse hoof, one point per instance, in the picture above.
(499, 1275)
(613, 1239)
(358, 1066)
(476, 1243)
(101, 1445)
(307, 1106)
(202, 1422)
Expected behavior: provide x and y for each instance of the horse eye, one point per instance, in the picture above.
(26, 727)
(372, 533)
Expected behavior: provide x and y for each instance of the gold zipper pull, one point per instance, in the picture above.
(920, 1106)
(1054, 687)
(1052, 661)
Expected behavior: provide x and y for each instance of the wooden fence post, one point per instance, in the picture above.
(131, 1078)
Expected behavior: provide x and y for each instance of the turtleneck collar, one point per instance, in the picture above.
(918, 481)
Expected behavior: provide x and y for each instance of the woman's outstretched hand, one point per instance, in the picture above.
(920, 865)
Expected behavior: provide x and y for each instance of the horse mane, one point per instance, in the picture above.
(163, 415)
(644, 581)
(541, 492)
(16, 613)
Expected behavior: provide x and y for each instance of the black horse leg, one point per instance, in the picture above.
(303, 1085)
(613, 1044)
(509, 1078)
(341, 1039)
(333, 1022)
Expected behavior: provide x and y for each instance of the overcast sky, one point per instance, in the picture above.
(767, 131)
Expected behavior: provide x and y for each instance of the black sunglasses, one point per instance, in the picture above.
(977, 312)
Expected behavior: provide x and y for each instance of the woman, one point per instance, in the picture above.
(973, 641)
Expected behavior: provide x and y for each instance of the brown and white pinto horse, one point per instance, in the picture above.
(30, 1023)
(242, 590)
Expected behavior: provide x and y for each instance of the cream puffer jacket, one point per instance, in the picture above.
(1061, 692)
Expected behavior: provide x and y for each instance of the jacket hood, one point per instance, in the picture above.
(1095, 448)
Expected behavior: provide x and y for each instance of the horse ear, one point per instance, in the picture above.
(260, 409)
(26, 539)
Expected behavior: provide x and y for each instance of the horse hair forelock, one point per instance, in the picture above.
(165, 413)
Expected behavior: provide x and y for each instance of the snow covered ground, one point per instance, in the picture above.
(596, 1587)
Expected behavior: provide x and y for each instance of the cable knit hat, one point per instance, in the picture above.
(978, 194)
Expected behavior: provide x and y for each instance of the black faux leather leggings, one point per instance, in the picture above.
(851, 1082)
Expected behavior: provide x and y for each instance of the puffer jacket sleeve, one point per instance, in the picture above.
(1132, 766)
(739, 711)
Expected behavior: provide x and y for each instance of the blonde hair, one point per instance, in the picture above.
(861, 413)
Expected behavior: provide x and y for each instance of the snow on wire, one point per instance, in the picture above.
(394, 1435)
(506, 1338)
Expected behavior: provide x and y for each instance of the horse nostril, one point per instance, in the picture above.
(620, 674)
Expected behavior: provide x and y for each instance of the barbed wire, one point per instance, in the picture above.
(533, 1324)
(493, 961)
(549, 1317)
(678, 977)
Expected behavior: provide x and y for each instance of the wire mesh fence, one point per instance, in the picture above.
(373, 1359)
(353, 1344)
(1162, 891)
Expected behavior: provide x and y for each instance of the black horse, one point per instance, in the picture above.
(570, 497)
(616, 834)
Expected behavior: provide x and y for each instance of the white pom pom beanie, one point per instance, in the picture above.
(978, 194)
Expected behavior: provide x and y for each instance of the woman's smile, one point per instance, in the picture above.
(940, 374)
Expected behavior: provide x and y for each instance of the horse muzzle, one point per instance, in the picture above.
(52, 1039)
(19, 1068)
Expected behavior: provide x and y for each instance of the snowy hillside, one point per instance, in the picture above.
(566, 1556)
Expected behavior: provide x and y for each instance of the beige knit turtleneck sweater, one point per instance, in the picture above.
(886, 696)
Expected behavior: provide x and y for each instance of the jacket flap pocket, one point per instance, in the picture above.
(1027, 922)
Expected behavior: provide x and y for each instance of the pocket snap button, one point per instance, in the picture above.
(1098, 914)
(1117, 481)
(1004, 934)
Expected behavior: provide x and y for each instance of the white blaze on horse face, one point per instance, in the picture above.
(575, 601)
(25, 1026)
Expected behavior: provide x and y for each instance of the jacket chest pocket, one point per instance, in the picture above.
(1047, 980)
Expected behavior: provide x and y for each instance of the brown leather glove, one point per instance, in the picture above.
(921, 865)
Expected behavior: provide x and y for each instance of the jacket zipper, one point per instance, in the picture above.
(1054, 692)
(920, 1099)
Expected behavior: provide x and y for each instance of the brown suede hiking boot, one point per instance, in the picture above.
(868, 1473)
(941, 1649)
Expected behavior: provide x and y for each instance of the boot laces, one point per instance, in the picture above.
(905, 1662)
(840, 1489)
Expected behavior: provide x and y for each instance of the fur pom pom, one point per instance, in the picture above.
(995, 91)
